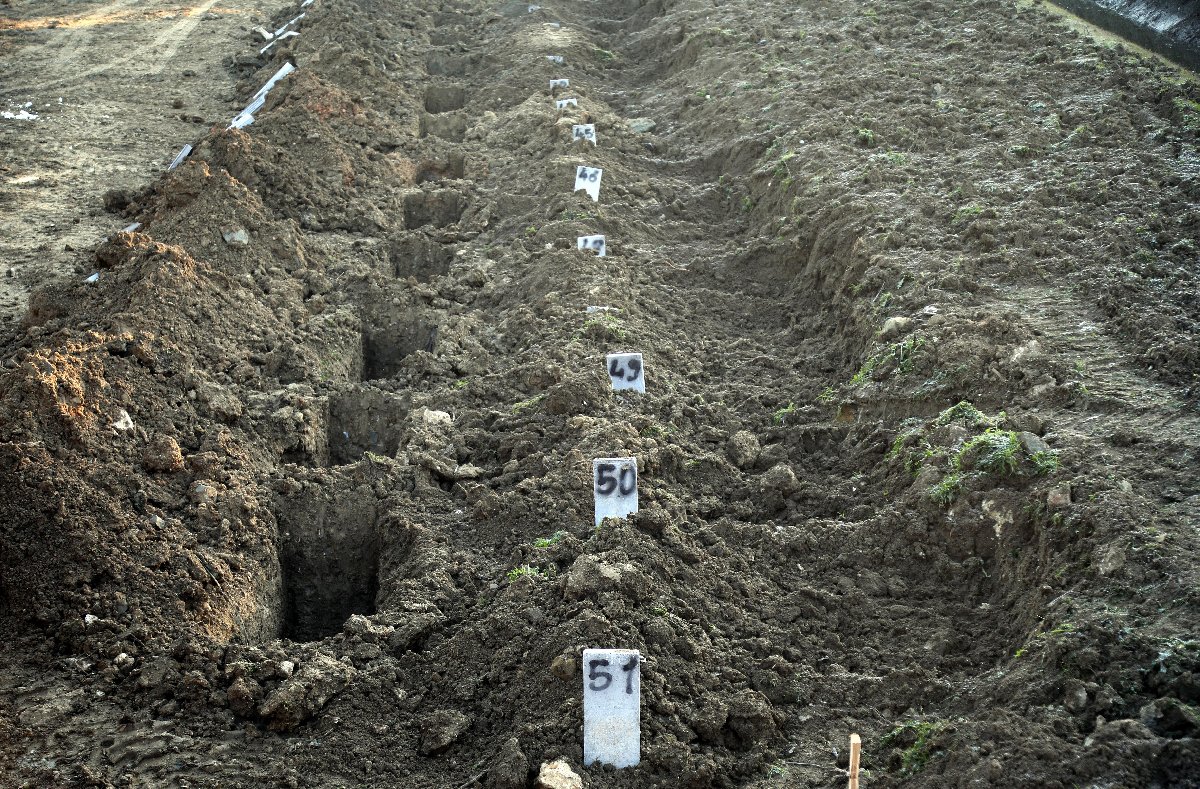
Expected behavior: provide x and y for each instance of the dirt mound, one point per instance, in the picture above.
(298, 491)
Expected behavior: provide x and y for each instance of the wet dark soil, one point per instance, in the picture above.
(915, 285)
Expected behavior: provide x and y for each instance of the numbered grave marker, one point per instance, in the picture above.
(614, 483)
(284, 70)
(588, 179)
(559, 83)
(555, 59)
(562, 104)
(594, 243)
(133, 228)
(179, 157)
(533, 8)
(584, 131)
(626, 372)
(612, 707)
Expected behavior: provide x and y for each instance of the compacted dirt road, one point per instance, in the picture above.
(297, 490)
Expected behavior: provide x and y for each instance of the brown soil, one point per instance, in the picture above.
(916, 287)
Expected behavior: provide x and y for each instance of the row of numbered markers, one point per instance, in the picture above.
(612, 678)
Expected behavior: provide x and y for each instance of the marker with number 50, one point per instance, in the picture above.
(626, 372)
(614, 483)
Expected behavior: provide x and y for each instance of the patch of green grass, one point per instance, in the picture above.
(828, 396)
(522, 571)
(552, 540)
(781, 415)
(747, 203)
(527, 404)
(604, 326)
(964, 411)
(603, 55)
(1045, 462)
(902, 352)
(915, 756)
(531, 231)
(946, 491)
(966, 213)
(865, 138)
(461, 383)
(995, 451)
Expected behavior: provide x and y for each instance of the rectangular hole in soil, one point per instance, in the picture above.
(439, 208)
(445, 98)
(418, 255)
(386, 341)
(329, 558)
(451, 127)
(364, 420)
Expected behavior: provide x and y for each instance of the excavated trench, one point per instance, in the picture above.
(831, 539)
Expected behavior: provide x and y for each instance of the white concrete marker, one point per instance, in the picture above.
(612, 707)
(614, 483)
(595, 243)
(241, 121)
(559, 83)
(588, 179)
(626, 372)
(287, 24)
(179, 157)
(533, 8)
(284, 70)
(288, 34)
(555, 59)
(562, 104)
(591, 309)
(93, 278)
(584, 131)
(133, 228)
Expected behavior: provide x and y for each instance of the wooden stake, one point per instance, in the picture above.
(855, 755)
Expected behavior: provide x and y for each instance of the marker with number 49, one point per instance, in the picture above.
(626, 372)
(594, 243)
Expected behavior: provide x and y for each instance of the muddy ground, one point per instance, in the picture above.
(298, 491)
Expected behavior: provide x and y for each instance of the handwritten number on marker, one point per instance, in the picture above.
(615, 369)
(590, 175)
(628, 668)
(607, 481)
(594, 675)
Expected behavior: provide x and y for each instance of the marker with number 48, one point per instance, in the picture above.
(588, 179)
(626, 372)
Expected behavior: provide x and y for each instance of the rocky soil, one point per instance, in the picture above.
(298, 491)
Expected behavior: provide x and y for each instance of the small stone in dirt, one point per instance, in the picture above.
(641, 125)
(894, 327)
(437, 418)
(510, 770)
(564, 667)
(441, 729)
(557, 775)
(1033, 443)
(162, 454)
(743, 449)
(1059, 498)
(235, 235)
(124, 421)
(177, 103)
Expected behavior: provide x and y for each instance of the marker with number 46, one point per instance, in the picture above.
(626, 372)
